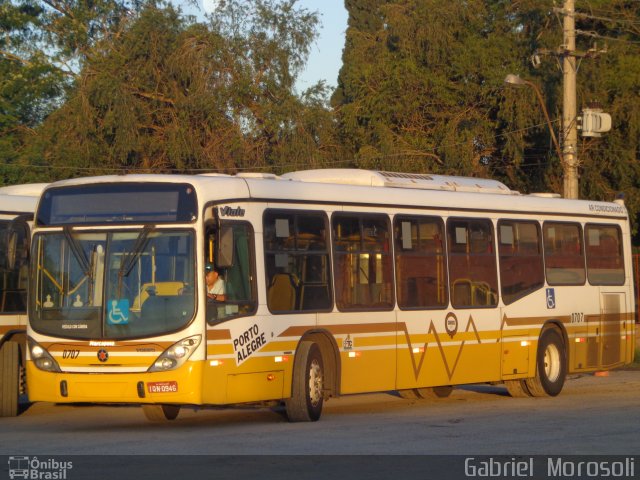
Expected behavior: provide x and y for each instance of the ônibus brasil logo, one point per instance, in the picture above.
(36, 469)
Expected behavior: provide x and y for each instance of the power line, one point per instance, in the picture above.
(604, 19)
(605, 37)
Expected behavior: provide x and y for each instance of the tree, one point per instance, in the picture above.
(421, 90)
(169, 94)
(42, 47)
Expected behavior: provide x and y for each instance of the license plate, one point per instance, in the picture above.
(162, 387)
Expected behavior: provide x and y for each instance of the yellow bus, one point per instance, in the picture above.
(17, 205)
(332, 282)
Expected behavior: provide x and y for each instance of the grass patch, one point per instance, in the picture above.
(636, 359)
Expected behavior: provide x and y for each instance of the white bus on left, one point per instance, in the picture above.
(17, 206)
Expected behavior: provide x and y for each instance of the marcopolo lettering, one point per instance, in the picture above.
(249, 341)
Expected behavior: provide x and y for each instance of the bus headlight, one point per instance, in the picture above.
(41, 358)
(178, 353)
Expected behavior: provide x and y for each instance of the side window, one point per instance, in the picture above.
(605, 262)
(473, 278)
(563, 253)
(421, 271)
(521, 262)
(362, 262)
(14, 265)
(234, 287)
(296, 261)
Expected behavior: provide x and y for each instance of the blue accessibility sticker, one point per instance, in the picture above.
(118, 312)
(551, 298)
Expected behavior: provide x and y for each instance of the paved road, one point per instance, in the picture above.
(593, 415)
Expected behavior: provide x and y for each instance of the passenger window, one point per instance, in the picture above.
(362, 262)
(521, 261)
(605, 261)
(563, 254)
(473, 278)
(421, 271)
(296, 261)
(14, 262)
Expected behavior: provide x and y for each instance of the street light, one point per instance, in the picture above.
(517, 81)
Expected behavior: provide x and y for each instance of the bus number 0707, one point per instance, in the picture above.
(577, 317)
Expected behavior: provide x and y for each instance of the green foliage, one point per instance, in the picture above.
(42, 47)
(421, 89)
(422, 92)
(171, 95)
(133, 85)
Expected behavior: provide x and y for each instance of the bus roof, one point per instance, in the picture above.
(364, 187)
(26, 190)
(19, 199)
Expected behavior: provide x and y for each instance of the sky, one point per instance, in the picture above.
(325, 58)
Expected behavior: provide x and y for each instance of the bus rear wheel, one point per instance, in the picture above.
(409, 394)
(551, 365)
(517, 388)
(10, 379)
(160, 413)
(442, 391)
(307, 389)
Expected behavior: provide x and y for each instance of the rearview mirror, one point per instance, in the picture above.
(224, 255)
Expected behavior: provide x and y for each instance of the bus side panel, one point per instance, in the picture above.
(367, 344)
(447, 348)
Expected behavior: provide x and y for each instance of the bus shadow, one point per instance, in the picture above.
(487, 389)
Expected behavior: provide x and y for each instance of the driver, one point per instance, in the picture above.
(216, 288)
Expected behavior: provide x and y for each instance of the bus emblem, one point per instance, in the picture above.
(232, 212)
(348, 343)
(451, 324)
(103, 355)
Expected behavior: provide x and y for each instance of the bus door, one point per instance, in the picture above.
(14, 267)
(613, 328)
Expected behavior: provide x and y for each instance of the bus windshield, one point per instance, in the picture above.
(113, 285)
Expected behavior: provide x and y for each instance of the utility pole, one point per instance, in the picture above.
(569, 138)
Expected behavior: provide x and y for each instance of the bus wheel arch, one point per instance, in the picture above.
(551, 362)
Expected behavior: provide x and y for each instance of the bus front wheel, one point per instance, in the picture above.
(551, 365)
(160, 413)
(10, 379)
(307, 388)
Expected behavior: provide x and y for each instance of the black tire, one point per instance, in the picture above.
(9, 379)
(517, 388)
(442, 391)
(161, 413)
(551, 365)
(409, 394)
(307, 387)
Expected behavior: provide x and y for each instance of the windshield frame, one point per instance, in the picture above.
(35, 315)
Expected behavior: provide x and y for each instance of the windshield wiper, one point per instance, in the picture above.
(129, 259)
(78, 252)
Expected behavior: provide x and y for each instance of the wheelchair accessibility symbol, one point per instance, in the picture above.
(118, 312)
(551, 298)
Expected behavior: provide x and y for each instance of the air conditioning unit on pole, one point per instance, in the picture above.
(595, 122)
